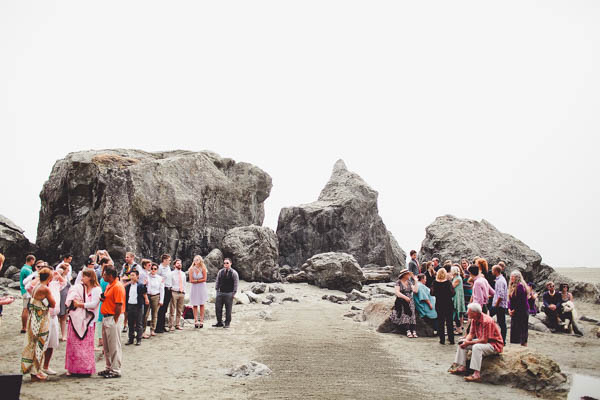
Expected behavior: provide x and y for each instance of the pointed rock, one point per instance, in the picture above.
(13, 244)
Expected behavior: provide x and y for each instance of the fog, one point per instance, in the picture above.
(476, 109)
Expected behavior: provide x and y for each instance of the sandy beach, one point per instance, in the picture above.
(312, 349)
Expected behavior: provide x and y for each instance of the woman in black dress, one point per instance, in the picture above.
(444, 306)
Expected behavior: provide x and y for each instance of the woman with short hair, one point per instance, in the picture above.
(444, 306)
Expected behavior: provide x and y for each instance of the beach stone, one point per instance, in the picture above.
(336, 271)
(345, 218)
(385, 290)
(355, 308)
(525, 369)
(254, 253)
(176, 202)
(266, 315)
(11, 271)
(13, 244)
(249, 370)
(298, 277)
(355, 295)
(290, 298)
(374, 273)
(252, 296)
(259, 288)
(276, 289)
(537, 325)
(213, 262)
(241, 298)
(334, 298)
(377, 315)
(589, 319)
(5, 281)
(14, 285)
(451, 238)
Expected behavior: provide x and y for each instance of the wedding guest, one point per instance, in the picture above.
(566, 314)
(552, 306)
(484, 339)
(113, 302)
(164, 270)
(226, 287)
(90, 264)
(38, 327)
(459, 298)
(5, 300)
(532, 298)
(467, 284)
(518, 309)
(198, 292)
(55, 286)
(481, 288)
(26, 270)
(429, 274)
(178, 282)
(104, 262)
(443, 291)
(425, 303)
(83, 302)
(403, 313)
(66, 271)
(436, 264)
(137, 299)
(500, 300)
(124, 276)
(413, 264)
(143, 279)
(156, 295)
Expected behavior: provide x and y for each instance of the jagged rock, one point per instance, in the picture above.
(14, 285)
(259, 288)
(336, 271)
(177, 202)
(290, 298)
(5, 281)
(377, 314)
(334, 298)
(344, 219)
(355, 295)
(276, 289)
(13, 244)
(354, 308)
(249, 370)
(213, 262)
(11, 272)
(241, 298)
(451, 238)
(525, 369)
(285, 270)
(253, 251)
(253, 297)
(374, 273)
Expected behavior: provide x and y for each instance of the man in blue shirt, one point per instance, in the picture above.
(500, 300)
(26, 270)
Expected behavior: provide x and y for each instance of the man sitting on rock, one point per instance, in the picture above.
(552, 306)
(484, 339)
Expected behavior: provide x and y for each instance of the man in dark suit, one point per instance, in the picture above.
(413, 264)
(136, 296)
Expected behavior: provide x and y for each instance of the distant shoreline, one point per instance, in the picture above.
(585, 274)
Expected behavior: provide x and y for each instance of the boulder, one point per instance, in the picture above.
(276, 288)
(14, 285)
(375, 274)
(176, 202)
(336, 271)
(241, 298)
(345, 218)
(525, 369)
(355, 295)
(5, 281)
(253, 252)
(249, 370)
(377, 315)
(451, 238)
(259, 288)
(299, 277)
(13, 244)
(253, 297)
(213, 262)
(11, 272)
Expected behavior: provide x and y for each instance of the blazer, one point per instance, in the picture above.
(141, 291)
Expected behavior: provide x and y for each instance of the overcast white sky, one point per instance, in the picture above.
(477, 109)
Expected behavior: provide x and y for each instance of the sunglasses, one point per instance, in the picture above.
(154, 269)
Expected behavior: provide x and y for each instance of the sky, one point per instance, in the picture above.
(470, 108)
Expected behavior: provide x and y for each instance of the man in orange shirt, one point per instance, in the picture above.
(113, 303)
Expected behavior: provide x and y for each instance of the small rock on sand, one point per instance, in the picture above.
(249, 370)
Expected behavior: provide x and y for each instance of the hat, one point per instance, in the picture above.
(403, 272)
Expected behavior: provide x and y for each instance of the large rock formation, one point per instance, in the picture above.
(213, 262)
(253, 252)
(336, 271)
(176, 202)
(13, 244)
(344, 219)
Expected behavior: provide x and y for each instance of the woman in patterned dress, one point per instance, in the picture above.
(403, 313)
(38, 322)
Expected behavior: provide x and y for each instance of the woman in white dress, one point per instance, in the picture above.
(198, 293)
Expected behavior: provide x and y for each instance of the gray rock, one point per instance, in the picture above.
(350, 315)
(285, 270)
(451, 238)
(271, 297)
(334, 298)
(374, 273)
(177, 202)
(13, 244)
(355, 295)
(299, 277)
(11, 271)
(385, 290)
(337, 271)
(354, 308)
(241, 298)
(259, 288)
(537, 325)
(276, 289)
(249, 370)
(14, 285)
(589, 319)
(266, 302)
(290, 298)
(253, 297)
(344, 219)
(5, 281)
(266, 315)
(253, 251)
(213, 262)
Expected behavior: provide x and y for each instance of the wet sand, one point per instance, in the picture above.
(313, 350)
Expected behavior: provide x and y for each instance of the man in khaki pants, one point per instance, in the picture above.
(178, 282)
(113, 303)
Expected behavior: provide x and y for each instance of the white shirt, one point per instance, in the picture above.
(143, 276)
(133, 294)
(155, 286)
(165, 272)
(94, 304)
(175, 280)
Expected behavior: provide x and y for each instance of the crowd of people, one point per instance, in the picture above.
(444, 294)
(103, 301)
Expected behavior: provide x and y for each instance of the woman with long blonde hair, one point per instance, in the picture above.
(198, 293)
(518, 309)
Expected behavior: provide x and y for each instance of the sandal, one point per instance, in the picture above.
(471, 378)
(409, 334)
(39, 377)
(414, 334)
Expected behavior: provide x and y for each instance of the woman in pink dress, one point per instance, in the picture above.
(83, 303)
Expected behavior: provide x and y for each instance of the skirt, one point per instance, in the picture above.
(198, 294)
(63, 299)
(54, 333)
(79, 357)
